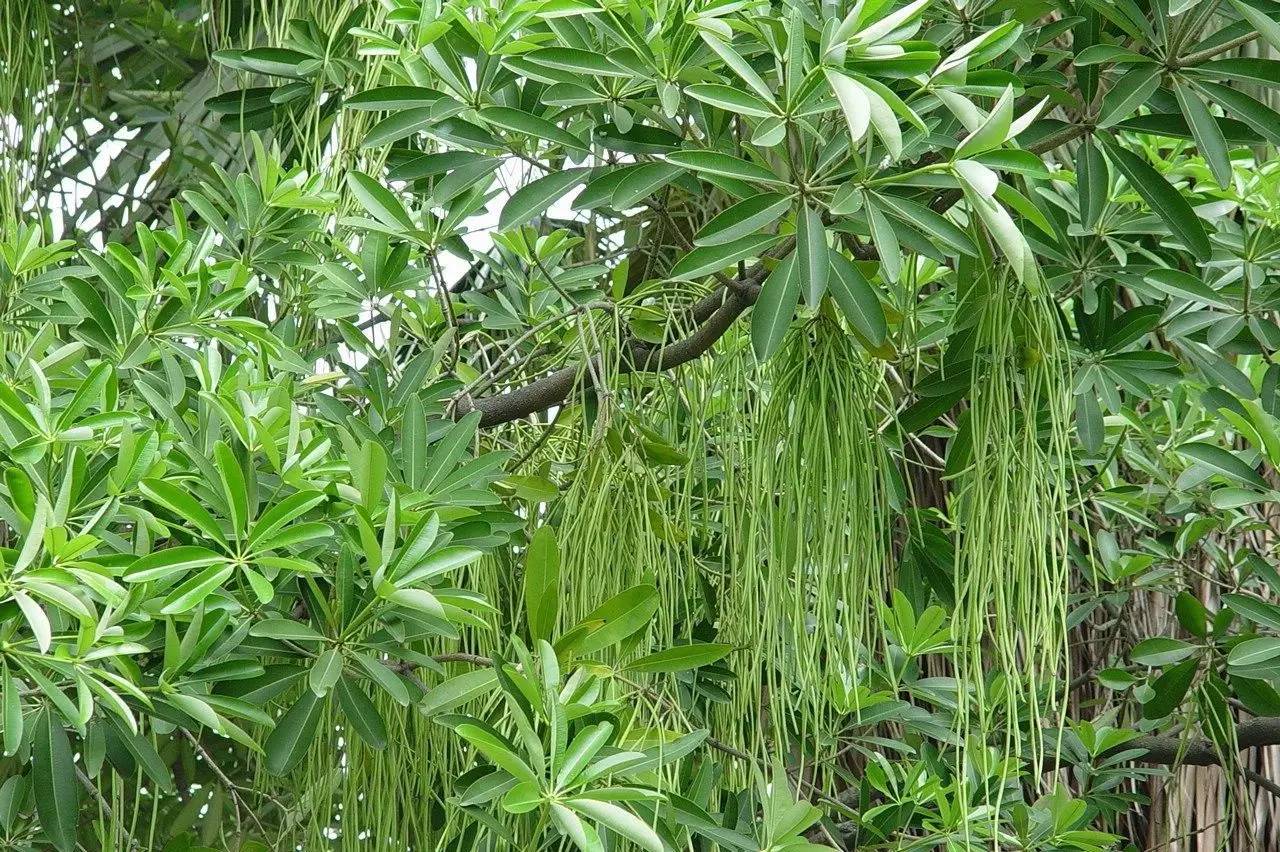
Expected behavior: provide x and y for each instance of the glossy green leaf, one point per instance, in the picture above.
(361, 713)
(705, 260)
(743, 219)
(725, 165)
(1208, 136)
(774, 308)
(53, 775)
(1222, 462)
(542, 583)
(1163, 199)
(535, 197)
(288, 742)
(681, 657)
(379, 201)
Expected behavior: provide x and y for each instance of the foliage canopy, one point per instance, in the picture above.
(605, 424)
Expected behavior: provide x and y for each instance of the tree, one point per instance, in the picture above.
(595, 424)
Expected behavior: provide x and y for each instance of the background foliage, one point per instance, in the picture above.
(603, 424)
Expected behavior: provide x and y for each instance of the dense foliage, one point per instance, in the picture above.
(605, 424)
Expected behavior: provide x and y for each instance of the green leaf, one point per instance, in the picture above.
(705, 260)
(325, 672)
(292, 736)
(813, 265)
(542, 583)
(402, 125)
(1093, 182)
(1251, 652)
(774, 308)
(194, 591)
(457, 691)
(1089, 423)
(419, 599)
(170, 562)
(1222, 462)
(620, 821)
(618, 618)
(584, 837)
(197, 708)
(681, 658)
(577, 61)
(1264, 120)
(442, 561)
(1245, 69)
(639, 183)
(1184, 285)
(379, 201)
(1191, 614)
(519, 121)
(1169, 689)
(730, 99)
(384, 677)
(274, 61)
(585, 746)
(233, 488)
(724, 165)
(993, 130)
(739, 65)
(857, 299)
(37, 620)
(886, 242)
(743, 219)
(393, 98)
(1167, 202)
(497, 749)
(536, 196)
(361, 713)
(935, 226)
(1260, 612)
(145, 754)
(1161, 651)
(522, 798)
(285, 629)
(853, 101)
(1205, 130)
(12, 715)
(183, 505)
(369, 472)
(53, 775)
(283, 512)
(1130, 92)
(1260, 21)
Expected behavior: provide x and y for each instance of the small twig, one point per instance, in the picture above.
(1210, 52)
(232, 788)
(462, 657)
(1262, 781)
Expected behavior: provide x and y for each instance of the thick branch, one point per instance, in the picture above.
(1170, 749)
(714, 314)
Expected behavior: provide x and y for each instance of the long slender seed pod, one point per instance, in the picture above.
(810, 553)
(1009, 506)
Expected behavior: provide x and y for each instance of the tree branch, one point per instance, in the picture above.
(1170, 750)
(714, 313)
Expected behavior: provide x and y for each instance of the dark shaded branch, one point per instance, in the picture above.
(714, 313)
(1170, 749)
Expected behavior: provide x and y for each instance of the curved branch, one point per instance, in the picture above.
(714, 313)
(1170, 750)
